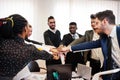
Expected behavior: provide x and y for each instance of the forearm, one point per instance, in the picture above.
(86, 45)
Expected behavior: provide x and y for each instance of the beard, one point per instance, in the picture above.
(52, 28)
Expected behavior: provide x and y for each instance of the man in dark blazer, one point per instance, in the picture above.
(67, 39)
(105, 26)
(95, 56)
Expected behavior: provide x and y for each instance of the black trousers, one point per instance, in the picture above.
(74, 59)
(95, 64)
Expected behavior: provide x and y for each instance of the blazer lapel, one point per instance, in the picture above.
(104, 48)
(91, 35)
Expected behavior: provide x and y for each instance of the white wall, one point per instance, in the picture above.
(64, 11)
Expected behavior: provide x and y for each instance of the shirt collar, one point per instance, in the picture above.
(54, 31)
(73, 34)
(113, 32)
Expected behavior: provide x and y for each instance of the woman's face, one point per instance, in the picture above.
(30, 31)
(27, 31)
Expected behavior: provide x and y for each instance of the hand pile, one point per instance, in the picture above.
(60, 50)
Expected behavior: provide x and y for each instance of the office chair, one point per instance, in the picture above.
(33, 66)
(97, 75)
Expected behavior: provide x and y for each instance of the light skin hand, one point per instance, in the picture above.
(55, 53)
(64, 49)
(60, 49)
(56, 56)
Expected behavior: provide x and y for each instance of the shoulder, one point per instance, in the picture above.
(89, 31)
(57, 31)
(47, 31)
(79, 35)
(67, 34)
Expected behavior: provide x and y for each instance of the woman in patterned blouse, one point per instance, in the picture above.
(14, 52)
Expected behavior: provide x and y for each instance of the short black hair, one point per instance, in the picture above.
(73, 23)
(50, 17)
(92, 16)
(108, 14)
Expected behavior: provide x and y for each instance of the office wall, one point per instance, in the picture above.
(64, 11)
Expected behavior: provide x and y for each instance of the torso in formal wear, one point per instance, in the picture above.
(70, 57)
(102, 42)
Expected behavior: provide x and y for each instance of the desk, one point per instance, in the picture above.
(42, 76)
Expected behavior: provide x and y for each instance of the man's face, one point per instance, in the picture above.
(93, 23)
(99, 26)
(51, 23)
(72, 29)
(30, 31)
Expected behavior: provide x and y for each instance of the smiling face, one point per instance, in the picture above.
(72, 29)
(93, 23)
(105, 21)
(51, 23)
(99, 26)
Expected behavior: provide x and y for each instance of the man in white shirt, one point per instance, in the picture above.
(105, 26)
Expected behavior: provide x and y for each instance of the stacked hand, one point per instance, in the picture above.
(57, 51)
(63, 49)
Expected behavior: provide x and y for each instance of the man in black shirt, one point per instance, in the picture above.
(52, 37)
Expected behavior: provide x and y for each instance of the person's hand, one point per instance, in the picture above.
(56, 56)
(60, 48)
(64, 49)
(54, 51)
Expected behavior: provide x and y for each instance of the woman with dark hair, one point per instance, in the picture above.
(14, 52)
